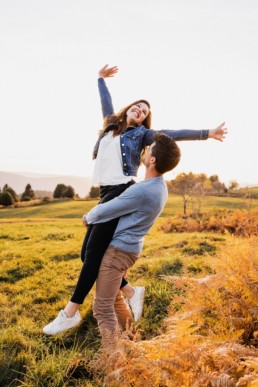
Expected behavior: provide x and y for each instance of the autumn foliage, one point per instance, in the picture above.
(238, 223)
(211, 341)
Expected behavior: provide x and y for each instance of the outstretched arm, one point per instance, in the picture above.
(218, 133)
(105, 97)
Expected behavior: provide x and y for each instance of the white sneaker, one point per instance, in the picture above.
(62, 323)
(136, 302)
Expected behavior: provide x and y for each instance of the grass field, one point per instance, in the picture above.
(39, 254)
(75, 209)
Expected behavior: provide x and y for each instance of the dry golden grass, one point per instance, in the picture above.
(211, 341)
(239, 222)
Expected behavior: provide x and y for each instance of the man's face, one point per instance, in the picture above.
(148, 155)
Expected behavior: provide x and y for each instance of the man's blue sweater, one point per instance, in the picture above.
(137, 207)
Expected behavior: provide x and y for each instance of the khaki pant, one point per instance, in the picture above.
(109, 307)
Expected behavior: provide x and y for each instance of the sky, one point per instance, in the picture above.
(196, 61)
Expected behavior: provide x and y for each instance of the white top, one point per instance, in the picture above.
(108, 168)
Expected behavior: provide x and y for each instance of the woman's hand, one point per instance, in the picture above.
(218, 133)
(107, 72)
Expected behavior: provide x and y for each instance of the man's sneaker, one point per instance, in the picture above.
(136, 302)
(61, 323)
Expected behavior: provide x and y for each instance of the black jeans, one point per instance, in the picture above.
(96, 241)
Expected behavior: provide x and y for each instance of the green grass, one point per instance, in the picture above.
(56, 210)
(75, 209)
(253, 191)
(39, 255)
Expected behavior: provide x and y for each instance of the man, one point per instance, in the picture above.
(138, 207)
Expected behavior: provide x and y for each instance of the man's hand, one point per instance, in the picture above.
(84, 221)
(218, 133)
(107, 72)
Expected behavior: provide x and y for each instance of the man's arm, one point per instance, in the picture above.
(128, 202)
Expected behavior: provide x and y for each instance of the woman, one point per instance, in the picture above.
(118, 154)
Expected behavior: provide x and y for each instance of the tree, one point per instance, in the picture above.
(214, 178)
(218, 187)
(69, 192)
(11, 191)
(197, 192)
(216, 184)
(28, 194)
(94, 192)
(192, 188)
(6, 199)
(233, 184)
(182, 185)
(63, 191)
(59, 190)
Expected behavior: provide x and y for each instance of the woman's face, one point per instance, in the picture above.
(136, 114)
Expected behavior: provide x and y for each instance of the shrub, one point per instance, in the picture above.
(28, 193)
(239, 223)
(69, 192)
(11, 191)
(94, 192)
(6, 199)
(25, 198)
(46, 200)
(225, 305)
(63, 191)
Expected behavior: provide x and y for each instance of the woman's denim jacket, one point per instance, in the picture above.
(134, 139)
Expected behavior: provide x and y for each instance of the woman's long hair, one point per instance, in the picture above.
(119, 119)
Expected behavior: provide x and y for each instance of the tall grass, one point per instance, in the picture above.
(210, 341)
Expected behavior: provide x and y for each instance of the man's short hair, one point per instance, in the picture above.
(166, 152)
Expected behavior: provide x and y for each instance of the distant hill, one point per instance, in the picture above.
(40, 182)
